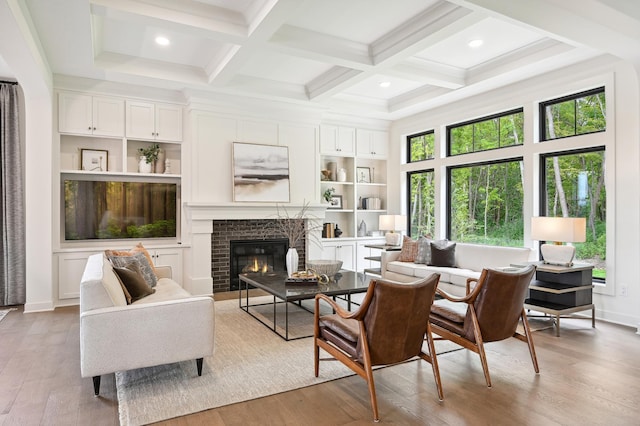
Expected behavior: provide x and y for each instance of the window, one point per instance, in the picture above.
(421, 200)
(420, 147)
(578, 114)
(573, 186)
(497, 131)
(486, 202)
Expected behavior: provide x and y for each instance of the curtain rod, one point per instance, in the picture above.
(8, 82)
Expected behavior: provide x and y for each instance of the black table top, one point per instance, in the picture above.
(344, 282)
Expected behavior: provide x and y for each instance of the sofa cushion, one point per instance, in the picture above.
(112, 285)
(459, 276)
(423, 271)
(443, 253)
(134, 282)
(141, 262)
(409, 250)
(165, 290)
(478, 256)
(424, 251)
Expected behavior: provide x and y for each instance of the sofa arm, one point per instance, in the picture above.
(386, 257)
(126, 337)
(163, 271)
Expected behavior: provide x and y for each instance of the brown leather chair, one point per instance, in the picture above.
(388, 328)
(491, 311)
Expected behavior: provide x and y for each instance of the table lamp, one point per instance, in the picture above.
(558, 230)
(394, 223)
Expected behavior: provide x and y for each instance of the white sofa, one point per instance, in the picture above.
(470, 259)
(167, 326)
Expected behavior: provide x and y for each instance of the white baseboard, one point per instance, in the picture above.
(38, 307)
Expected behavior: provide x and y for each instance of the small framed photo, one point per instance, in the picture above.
(363, 174)
(93, 160)
(335, 202)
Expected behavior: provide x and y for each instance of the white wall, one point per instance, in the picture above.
(621, 139)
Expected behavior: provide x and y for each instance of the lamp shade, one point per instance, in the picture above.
(559, 229)
(392, 222)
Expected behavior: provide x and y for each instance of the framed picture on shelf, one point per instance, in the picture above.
(363, 174)
(335, 202)
(93, 160)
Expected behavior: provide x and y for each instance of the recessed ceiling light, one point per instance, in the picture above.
(385, 84)
(476, 43)
(162, 41)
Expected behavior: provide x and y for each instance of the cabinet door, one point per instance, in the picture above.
(328, 139)
(379, 144)
(75, 114)
(372, 144)
(140, 120)
(168, 122)
(346, 140)
(172, 258)
(108, 116)
(345, 252)
(70, 270)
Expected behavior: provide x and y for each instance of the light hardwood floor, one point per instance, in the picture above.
(587, 377)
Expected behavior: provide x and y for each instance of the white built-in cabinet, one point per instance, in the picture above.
(153, 121)
(71, 266)
(119, 128)
(372, 144)
(337, 140)
(82, 114)
(369, 155)
(344, 250)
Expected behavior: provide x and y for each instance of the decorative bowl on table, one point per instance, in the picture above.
(325, 267)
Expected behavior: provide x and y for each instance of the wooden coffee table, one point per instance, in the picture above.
(344, 285)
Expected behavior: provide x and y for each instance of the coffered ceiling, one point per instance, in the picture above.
(331, 53)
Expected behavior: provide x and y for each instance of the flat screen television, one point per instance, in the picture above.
(95, 210)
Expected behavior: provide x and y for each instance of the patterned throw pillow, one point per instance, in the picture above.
(424, 251)
(141, 263)
(139, 248)
(443, 253)
(409, 250)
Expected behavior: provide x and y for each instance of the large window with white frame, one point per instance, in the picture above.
(573, 185)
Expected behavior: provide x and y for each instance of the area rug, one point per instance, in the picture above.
(249, 362)
(4, 312)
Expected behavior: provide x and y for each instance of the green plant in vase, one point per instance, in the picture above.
(150, 153)
(328, 193)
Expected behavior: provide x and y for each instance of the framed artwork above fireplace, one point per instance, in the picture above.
(260, 173)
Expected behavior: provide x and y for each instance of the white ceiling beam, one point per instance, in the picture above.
(115, 62)
(312, 45)
(428, 72)
(219, 28)
(333, 81)
(427, 28)
(272, 17)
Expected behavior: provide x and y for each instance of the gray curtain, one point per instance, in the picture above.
(12, 218)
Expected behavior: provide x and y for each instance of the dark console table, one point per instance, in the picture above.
(561, 290)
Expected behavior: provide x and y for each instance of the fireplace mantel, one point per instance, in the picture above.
(229, 211)
(199, 226)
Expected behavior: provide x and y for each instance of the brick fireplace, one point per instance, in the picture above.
(206, 244)
(226, 233)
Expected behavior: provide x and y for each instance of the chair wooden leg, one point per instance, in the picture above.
(529, 336)
(199, 365)
(480, 345)
(433, 360)
(369, 372)
(316, 357)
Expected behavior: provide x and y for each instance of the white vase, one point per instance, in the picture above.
(292, 261)
(143, 166)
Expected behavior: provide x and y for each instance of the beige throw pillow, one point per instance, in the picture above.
(409, 250)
